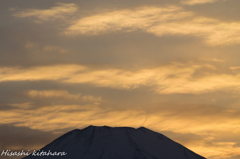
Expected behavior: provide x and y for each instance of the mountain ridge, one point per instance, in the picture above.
(104, 142)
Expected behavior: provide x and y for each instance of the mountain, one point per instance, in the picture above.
(104, 142)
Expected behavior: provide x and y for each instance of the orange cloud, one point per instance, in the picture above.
(141, 18)
(168, 79)
(26, 105)
(60, 94)
(218, 150)
(213, 31)
(54, 117)
(170, 20)
(61, 10)
(194, 2)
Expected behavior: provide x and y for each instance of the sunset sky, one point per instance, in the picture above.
(171, 66)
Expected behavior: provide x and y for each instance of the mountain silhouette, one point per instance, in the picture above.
(95, 142)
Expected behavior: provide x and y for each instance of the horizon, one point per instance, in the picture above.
(169, 65)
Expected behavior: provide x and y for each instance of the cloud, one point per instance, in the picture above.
(194, 2)
(169, 79)
(31, 45)
(235, 157)
(213, 60)
(218, 150)
(234, 68)
(22, 105)
(39, 73)
(193, 121)
(60, 11)
(63, 94)
(23, 138)
(141, 18)
(54, 117)
(47, 48)
(213, 31)
(50, 48)
(171, 20)
(193, 101)
(205, 145)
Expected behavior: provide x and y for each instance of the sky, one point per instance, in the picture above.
(169, 65)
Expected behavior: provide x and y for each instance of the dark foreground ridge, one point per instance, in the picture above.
(105, 142)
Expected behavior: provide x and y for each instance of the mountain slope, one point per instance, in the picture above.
(116, 143)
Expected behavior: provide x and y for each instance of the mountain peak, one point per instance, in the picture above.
(104, 142)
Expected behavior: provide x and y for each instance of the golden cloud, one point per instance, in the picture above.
(218, 150)
(54, 117)
(59, 11)
(213, 60)
(22, 105)
(167, 79)
(213, 31)
(61, 94)
(55, 72)
(194, 2)
(171, 20)
(141, 18)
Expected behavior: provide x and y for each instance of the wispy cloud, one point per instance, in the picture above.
(46, 48)
(50, 48)
(61, 10)
(60, 94)
(213, 60)
(141, 18)
(234, 68)
(39, 73)
(159, 21)
(22, 105)
(53, 117)
(167, 79)
(171, 20)
(214, 32)
(194, 2)
(217, 150)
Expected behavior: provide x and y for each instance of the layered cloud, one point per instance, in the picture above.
(193, 120)
(171, 20)
(60, 11)
(63, 94)
(34, 47)
(194, 2)
(169, 79)
(23, 138)
(213, 31)
(141, 18)
(169, 66)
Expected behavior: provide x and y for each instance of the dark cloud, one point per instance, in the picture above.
(23, 137)
(16, 92)
(129, 49)
(44, 4)
(235, 157)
